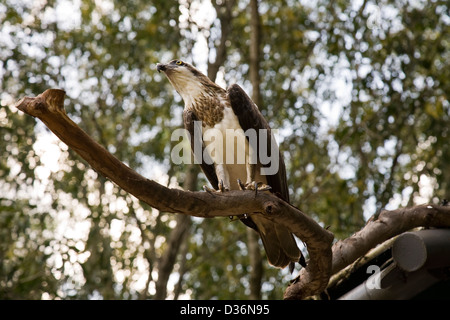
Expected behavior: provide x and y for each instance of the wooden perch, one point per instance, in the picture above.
(48, 107)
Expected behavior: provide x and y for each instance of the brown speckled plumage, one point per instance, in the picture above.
(209, 109)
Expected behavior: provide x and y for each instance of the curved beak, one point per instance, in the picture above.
(160, 67)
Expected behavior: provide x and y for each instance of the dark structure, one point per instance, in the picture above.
(413, 265)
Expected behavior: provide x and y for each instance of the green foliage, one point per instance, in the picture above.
(359, 91)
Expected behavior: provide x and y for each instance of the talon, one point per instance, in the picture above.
(257, 186)
(250, 185)
(241, 185)
(222, 188)
(209, 190)
(264, 187)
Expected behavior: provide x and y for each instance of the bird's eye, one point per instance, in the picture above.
(179, 63)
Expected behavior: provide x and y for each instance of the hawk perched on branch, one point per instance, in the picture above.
(251, 154)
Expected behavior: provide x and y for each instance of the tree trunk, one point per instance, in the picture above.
(256, 272)
(224, 10)
(255, 56)
(177, 236)
(254, 252)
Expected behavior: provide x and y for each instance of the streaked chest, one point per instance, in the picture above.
(210, 109)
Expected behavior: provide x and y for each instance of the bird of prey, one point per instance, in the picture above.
(221, 110)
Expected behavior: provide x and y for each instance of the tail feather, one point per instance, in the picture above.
(279, 243)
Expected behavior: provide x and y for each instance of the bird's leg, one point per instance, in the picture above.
(224, 180)
(251, 171)
(223, 177)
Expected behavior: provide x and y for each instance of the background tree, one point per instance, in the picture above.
(359, 89)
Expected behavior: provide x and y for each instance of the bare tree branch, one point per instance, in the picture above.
(48, 107)
(387, 225)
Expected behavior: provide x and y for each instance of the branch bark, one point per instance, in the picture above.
(48, 107)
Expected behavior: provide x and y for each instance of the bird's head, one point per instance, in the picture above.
(186, 79)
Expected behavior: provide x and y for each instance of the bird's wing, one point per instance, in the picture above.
(251, 118)
(196, 139)
(279, 243)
